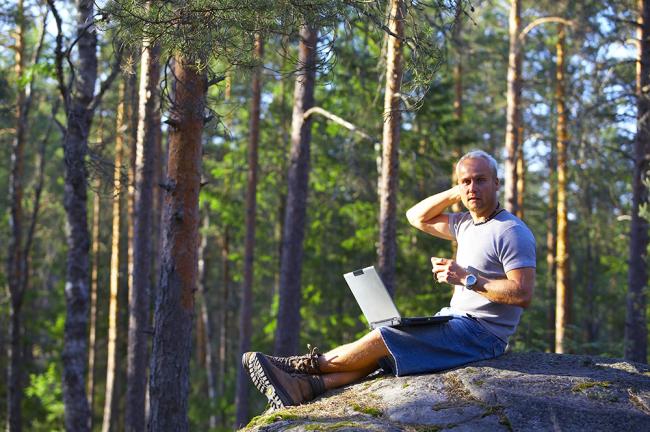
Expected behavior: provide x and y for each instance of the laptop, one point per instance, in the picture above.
(377, 305)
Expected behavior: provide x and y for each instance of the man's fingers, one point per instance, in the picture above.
(437, 260)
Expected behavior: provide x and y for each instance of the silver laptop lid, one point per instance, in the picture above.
(372, 297)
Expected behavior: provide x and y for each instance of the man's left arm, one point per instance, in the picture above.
(516, 289)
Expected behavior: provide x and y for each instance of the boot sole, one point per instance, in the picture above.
(258, 368)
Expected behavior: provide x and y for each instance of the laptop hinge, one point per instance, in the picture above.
(385, 323)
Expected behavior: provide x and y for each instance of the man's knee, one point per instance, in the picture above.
(377, 341)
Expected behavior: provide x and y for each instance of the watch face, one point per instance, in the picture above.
(470, 281)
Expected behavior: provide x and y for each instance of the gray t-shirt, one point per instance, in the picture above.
(491, 249)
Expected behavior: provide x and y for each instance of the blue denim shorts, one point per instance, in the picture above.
(435, 347)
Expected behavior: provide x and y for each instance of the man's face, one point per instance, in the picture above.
(479, 186)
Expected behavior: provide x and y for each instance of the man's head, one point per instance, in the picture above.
(477, 175)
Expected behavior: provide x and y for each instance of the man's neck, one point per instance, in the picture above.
(483, 217)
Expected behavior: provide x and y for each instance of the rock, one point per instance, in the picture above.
(515, 392)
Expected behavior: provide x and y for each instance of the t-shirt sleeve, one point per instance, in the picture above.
(517, 248)
(455, 220)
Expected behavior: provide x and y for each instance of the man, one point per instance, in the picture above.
(493, 275)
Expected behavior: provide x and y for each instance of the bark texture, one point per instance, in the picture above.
(172, 342)
(246, 305)
(512, 110)
(387, 250)
(140, 292)
(75, 147)
(636, 332)
(288, 328)
(562, 302)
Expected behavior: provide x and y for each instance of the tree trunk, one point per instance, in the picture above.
(172, 343)
(512, 110)
(387, 250)
(458, 113)
(208, 351)
(636, 331)
(551, 245)
(94, 281)
(224, 319)
(288, 325)
(521, 173)
(140, 292)
(246, 308)
(15, 258)
(75, 146)
(562, 303)
(112, 360)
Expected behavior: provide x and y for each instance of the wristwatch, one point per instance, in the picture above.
(470, 281)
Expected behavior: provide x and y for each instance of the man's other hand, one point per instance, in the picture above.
(448, 271)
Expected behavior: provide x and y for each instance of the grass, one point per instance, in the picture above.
(364, 409)
(272, 417)
(580, 387)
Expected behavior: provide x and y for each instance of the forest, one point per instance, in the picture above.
(186, 181)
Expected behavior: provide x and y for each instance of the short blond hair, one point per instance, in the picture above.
(479, 154)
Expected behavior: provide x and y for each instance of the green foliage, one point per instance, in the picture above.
(45, 400)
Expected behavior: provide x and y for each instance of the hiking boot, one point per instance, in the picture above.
(302, 364)
(281, 388)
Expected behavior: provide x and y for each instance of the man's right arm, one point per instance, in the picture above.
(427, 215)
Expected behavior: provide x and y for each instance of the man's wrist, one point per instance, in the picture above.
(470, 281)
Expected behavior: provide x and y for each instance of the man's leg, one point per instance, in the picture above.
(340, 366)
(351, 362)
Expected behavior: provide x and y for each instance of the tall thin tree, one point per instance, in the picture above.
(562, 304)
(170, 360)
(113, 302)
(94, 285)
(288, 324)
(636, 330)
(139, 293)
(18, 247)
(551, 246)
(206, 318)
(387, 249)
(246, 308)
(512, 110)
(79, 103)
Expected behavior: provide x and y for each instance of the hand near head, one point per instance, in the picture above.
(448, 271)
(456, 193)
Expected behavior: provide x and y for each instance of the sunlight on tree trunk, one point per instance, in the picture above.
(563, 306)
(551, 245)
(148, 131)
(521, 174)
(172, 342)
(118, 187)
(94, 284)
(512, 110)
